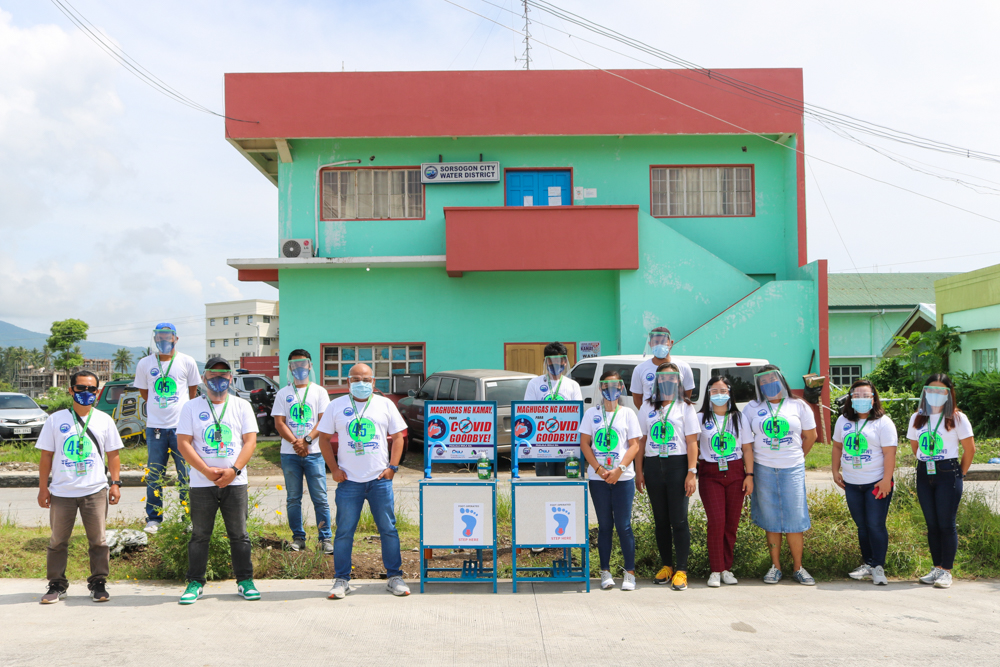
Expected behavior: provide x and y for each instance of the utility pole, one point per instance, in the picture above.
(527, 37)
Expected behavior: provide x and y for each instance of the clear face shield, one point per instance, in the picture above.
(613, 390)
(936, 400)
(300, 371)
(555, 366)
(667, 387)
(164, 341)
(862, 399)
(217, 382)
(659, 344)
(770, 386)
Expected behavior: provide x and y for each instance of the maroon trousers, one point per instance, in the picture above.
(722, 495)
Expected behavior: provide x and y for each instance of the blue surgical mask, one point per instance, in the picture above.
(936, 400)
(661, 351)
(219, 385)
(301, 373)
(771, 389)
(361, 390)
(861, 405)
(84, 398)
(611, 394)
(719, 399)
(165, 346)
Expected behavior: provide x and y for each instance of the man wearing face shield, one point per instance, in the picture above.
(298, 407)
(644, 375)
(217, 435)
(370, 443)
(166, 379)
(553, 385)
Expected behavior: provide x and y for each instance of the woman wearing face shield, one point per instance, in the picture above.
(939, 434)
(553, 385)
(784, 429)
(666, 470)
(864, 458)
(609, 440)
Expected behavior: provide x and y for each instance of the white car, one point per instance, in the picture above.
(739, 371)
(20, 417)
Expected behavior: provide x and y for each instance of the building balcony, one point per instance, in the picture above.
(541, 238)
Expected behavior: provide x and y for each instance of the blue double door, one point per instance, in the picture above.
(545, 187)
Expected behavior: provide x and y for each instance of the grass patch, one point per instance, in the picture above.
(819, 456)
(266, 455)
(14, 451)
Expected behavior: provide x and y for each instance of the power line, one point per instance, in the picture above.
(921, 261)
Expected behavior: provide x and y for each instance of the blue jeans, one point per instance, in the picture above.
(613, 507)
(869, 514)
(350, 498)
(939, 496)
(314, 469)
(158, 452)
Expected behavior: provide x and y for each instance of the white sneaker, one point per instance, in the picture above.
(943, 580)
(341, 588)
(728, 579)
(931, 576)
(628, 583)
(878, 576)
(714, 580)
(397, 586)
(863, 571)
(152, 527)
(607, 581)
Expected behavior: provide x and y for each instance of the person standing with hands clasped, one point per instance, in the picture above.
(864, 459)
(667, 468)
(939, 434)
(173, 378)
(725, 471)
(609, 441)
(553, 385)
(217, 435)
(784, 429)
(73, 444)
(298, 407)
(370, 442)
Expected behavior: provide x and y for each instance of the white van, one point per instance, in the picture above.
(739, 371)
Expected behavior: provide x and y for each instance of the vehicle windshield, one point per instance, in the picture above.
(17, 403)
(741, 378)
(113, 392)
(505, 391)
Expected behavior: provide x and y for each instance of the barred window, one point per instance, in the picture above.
(844, 376)
(385, 359)
(372, 194)
(701, 191)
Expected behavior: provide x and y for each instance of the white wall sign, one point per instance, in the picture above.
(460, 172)
(589, 349)
(578, 193)
(560, 523)
(469, 518)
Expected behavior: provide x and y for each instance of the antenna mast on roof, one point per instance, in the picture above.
(527, 37)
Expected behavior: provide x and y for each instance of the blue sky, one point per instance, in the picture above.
(120, 206)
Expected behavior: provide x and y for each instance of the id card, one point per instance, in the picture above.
(81, 468)
(856, 462)
(359, 449)
(300, 430)
(723, 465)
(162, 402)
(931, 468)
(775, 445)
(609, 461)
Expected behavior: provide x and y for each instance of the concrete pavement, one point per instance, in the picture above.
(850, 623)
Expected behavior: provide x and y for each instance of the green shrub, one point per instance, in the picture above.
(56, 398)
(979, 397)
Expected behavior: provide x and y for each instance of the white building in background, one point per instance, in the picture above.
(236, 329)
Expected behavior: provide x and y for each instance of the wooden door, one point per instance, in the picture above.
(527, 357)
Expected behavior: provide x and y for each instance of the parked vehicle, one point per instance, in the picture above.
(20, 417)
(466, 385)
(130, 417)
(245, 383)
(107, 399)
(262, 401)
(739, 371)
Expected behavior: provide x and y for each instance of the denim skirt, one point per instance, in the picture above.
(778, 503)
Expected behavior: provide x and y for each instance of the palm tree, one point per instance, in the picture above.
(122, 360)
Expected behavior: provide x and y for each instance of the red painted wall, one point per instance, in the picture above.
(263, 365)
(519, 238)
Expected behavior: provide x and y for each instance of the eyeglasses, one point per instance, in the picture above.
(358, 378)
(716, 392)
(84, 387)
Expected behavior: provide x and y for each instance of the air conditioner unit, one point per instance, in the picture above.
(291, 248)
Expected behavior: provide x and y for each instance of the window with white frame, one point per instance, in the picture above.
(236, 342)
(385, 359)
(225, 321)
(984, 361)
(249, 319)
(249, 341)
(211, 322)
(211, 343)
(236, 319)
(367, 194)
(267, 341)
(844, 376)
(701, 191)
(225, 342)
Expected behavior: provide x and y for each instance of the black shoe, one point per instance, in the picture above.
(55, 594)
(98, 593)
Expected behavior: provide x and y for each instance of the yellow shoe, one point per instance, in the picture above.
(680, 581)
(664, 576)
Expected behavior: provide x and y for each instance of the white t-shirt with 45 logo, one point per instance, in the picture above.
(777, 430)
(363, 429)
(668, 427)
(610, 445)
(301, 407)
(197, 421)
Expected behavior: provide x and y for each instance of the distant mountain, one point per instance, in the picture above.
(15, 336)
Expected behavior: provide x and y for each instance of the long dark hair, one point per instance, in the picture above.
(949, 422)
(669, 366)
(875, 413)
(731, 409)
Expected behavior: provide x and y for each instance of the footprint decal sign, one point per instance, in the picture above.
(469, 518)
(560, 522)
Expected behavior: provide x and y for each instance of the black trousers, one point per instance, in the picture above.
(206, 501)
(664, 478)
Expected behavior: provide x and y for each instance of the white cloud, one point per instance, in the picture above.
(228, 290)
(178, 276)
(57, 286)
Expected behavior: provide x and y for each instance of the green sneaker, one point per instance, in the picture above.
(191, 593)
(247, 590)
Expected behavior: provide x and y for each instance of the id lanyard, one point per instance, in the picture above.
(665, 447)
(723, 461)
(160, 400)
(555, 392)
(856, 459)
(81, 465)
(609, 457)
(218, 424)
(300, 428)
(931, 466)
(775, 443)
(359, 447)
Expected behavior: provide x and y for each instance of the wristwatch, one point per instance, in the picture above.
(393, 468)
(236, 470)
(693, 471)
(116, 482)
(623, 468)
(307, 440)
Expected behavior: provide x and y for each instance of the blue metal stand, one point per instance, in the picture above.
(562, 569)
(473, 570)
